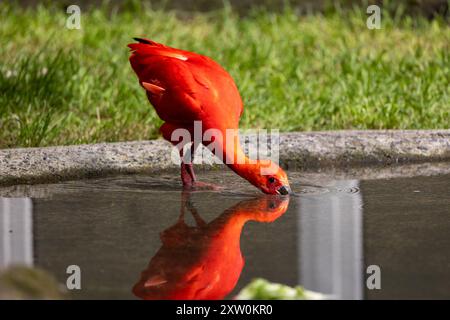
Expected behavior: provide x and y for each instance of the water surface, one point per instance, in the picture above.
(125, 232)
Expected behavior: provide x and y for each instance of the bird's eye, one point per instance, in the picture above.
(271, 179)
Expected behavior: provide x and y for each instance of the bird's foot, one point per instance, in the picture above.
(200, 186)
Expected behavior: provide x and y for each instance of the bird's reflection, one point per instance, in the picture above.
(205, 261)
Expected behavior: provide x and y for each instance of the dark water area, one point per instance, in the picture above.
(143, 232)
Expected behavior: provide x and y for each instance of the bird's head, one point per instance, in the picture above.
(269, 178)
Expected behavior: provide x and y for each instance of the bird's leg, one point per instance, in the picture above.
(186, 178)
(190, 163)
(186, 203)
(184, 198)
(187, 171)
(190, 206)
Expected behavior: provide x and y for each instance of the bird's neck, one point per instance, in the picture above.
(235, 158)
(246, 168)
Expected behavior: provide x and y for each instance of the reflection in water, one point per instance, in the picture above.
(331, 242)
(16, 232)
(204, 261)
(333, 231)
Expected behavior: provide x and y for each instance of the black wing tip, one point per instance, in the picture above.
(140, 40)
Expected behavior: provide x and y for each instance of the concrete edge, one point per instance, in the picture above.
(314, 177)
(298, 151)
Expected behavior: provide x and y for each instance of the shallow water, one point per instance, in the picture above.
(324, 237)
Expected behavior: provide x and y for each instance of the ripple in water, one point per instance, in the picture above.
(320, 190)
(351, 190)
(311, 190)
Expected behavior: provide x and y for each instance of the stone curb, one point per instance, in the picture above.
(298, 150)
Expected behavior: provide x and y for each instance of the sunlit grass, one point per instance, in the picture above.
(317, 72)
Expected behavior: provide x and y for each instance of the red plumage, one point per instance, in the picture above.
(195, 87)
(184, 87)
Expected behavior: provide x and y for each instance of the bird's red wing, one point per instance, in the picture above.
(142, 49)
(184, 86)
(168, 81)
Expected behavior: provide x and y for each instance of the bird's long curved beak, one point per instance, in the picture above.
(284, 190)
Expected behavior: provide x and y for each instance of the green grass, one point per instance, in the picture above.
(315, 72)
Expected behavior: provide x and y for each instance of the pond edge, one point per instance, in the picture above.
(298, 151)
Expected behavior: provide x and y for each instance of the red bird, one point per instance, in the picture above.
(185, 87)
(203, 261)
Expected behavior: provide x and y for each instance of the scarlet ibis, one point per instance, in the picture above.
(203, 261)
(185, 87)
